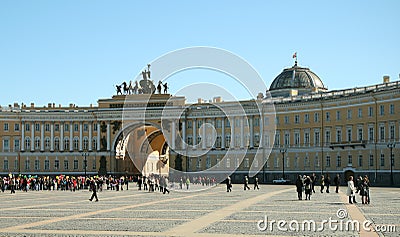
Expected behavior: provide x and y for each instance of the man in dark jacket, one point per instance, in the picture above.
(94, 190)
(336, 180)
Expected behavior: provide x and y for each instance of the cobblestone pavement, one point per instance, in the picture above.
(213, 212)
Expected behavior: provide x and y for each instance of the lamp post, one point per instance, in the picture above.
(85, 154)
(283, 150)
(391, 146)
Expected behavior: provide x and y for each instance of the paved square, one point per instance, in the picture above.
(213, 212)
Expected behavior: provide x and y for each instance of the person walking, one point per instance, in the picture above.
(256, 183)
(364, 192)
(246, 183)
(313, 180)
(299, 187)
(94, 190)
(322, 183)
(307, 187)
(351, 190)
(228, 184)
(165, 184)
(327, 183)
(187, 183)
(336, 180)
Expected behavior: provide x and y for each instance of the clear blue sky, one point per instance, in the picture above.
(76, 51)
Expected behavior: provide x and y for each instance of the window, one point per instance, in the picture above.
(94, 163)
(349, 134)
(370, 111)
(256, 122)
(37, 164)
(227, 140)
(217, 163)
(85, 143)
(360, 134)
(307, 138)
(287, 138)
(338, 161)
(382, 159)
(316, 117)
(200, 122)
(360, 160)
(382, 133)
(208, 162)
(306, 161)
(16, 164)
(360, 112)
(350, 160)
(328, 137)
(56, 127)
(66, 164)
(76, 127)
(297, 119)
(6, 127)
(6, 145)
(16, 127)
(316, 138)
(218, 123)
(37, 127)
(276, 120)
(27, 164)
(5, 164)
(66, 143)
(76, 164)
(47, 127)
(337, 115)
(371, 134)
(286, 118)
(391, 132)
(47, 143)
(228, 123)
(277, 139)
(190, 140)
(46, 164)
(76, 143)
(306, 118)
(228, 162)
(338, 135)
(382, 110)
(56, 164)
(94, 146)
(391, 109)
(56, 143)
(66, 127)
(349, 114)
(296, 138)
(27, 127)
(371, 160)
(246, 163)
(37, 143)
(85, 127)
(328, 116)
(16, 144)
(27, 143)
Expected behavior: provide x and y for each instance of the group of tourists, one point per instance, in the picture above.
(361, 187)
(153, 183)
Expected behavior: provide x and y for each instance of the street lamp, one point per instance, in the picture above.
(85, 154)
(283, 150)
(391, 146)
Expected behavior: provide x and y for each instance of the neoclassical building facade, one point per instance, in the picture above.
(302, 128)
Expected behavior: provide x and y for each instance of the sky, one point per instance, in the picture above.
(77, 51)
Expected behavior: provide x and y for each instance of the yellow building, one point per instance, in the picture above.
(303, 128)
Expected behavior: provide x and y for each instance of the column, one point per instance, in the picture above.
(90, 136)
(203, 135)
(108, 136)
(22, 143)
(61, 136)
(184, 134)
(251, 132)
(42, 136)
(52, 136)
(223, 133)
(71, 137)
(232, 145)
(261, 132)
(33, 136)
(80, 136)
(242, 132)
(98, 136)
(173, 134)
(194, 132)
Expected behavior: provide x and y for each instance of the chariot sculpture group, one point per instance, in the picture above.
(144, 86)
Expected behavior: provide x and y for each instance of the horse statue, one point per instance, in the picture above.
(118, 89)
(126, 89)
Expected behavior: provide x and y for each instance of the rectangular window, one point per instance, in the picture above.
(16, 127)
(338, 161)
(316, 117)
(297, 138)
(316, 138)
(360, 134)
(27, 164)
(349, 135)
(328, 137)
(382, 159)
(277, 139)
(391, 132)
(328, 116)
(286, 119)
(350, 160)
(276, 120)
(370, 111)
(349, 114)
(287, 138)
(371, 160)
(56, 127)
(66, 164)
(306, 118)
(37, 127)
(66, 127)
(382, 133)
(371, 134)
(360, 160)
(95, 127)
(338, 136)
(94, 163)
(382, 110)
(46, 164)
(16, 164)
(6, 127)
(85, 127)
(37, 164)
(27, 127)
(297, 119)
(337, 115)
(391, 109)
(189, 123)
(328, 161)
(5, 165)
(6, 145)
(360, 112)
(47, 127)
(56, 164)
(75, 164)
(306, 138)
(76, 127)
(256, 122)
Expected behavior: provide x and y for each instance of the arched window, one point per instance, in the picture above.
(94, 144)
(47, 143)
(27, 143)
(37, 143)
(76, 143)
(66, 143)
(56, 143)
(85, 143)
